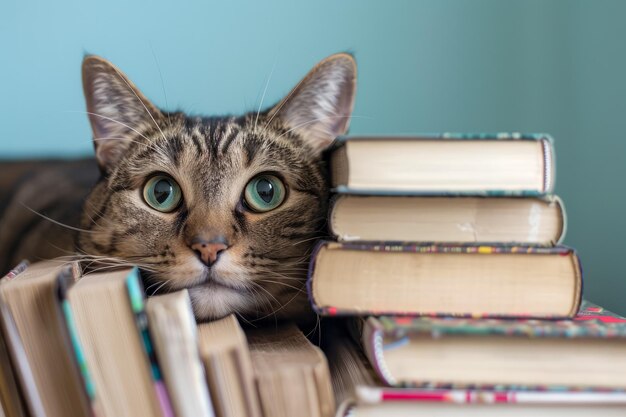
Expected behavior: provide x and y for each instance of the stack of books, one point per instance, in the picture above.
(95, 346)
(446, 292)
(447, 247)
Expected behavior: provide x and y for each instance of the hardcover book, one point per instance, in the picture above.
(474, 164)
(468, 220)
(385, 278)
(173, 330)
(361, 393)
(38, 339)
(230, 375)
(109, 317)
(291, 375)
(586, 352)
(411, 409)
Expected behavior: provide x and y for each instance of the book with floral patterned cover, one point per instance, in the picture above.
(585, 352)
(378, 278)
(487, 164)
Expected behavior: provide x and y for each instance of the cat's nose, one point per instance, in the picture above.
(208, 250)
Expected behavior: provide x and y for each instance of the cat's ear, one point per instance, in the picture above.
(319, 107)
(117, 110)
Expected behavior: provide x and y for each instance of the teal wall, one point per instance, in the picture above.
(424, 66)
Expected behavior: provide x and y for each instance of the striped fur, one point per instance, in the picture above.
(262, 272)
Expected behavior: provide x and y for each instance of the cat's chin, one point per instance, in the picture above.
(212, 300)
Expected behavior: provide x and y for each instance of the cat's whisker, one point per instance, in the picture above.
(267, 83)
(318, 324)
(167, 281)
(282, 284)
(308, 240)
(156, 61)
(281, 307)
(283, 102)
(256, 285)
(121, 76)
(319, 119)
(111, 120)
(58, 223)
(242, 318)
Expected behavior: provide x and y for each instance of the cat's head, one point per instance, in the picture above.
(228, 207)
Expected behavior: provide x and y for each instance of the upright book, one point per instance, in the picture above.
(387, 278)
(226, 357)
(447, 164)
(587, 352)
(32, 311)
(109, 317)
(291, 375)
(173, 330)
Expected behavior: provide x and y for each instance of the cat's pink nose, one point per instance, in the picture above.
(208, 251)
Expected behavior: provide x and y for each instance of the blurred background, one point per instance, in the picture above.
(424, 66)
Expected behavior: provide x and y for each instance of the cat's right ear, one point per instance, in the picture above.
(118, 112)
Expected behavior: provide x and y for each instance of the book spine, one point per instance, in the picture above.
(373, 345)
(549, 165)
(19, 268)
(20, 362)
(136, 297)
(78, 351)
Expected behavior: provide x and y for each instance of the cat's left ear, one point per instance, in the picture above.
(320, 106)
(117, 110)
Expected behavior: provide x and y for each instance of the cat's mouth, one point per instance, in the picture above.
(207, 279)
(213, 283)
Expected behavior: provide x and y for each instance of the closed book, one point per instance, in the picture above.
(11, 399)
(587, 352)
(230, 376)
(456, 164)
(110, 322)
(385, 401)
(291, 374)
(38, 340)
(173, 330)
(385, 278)
(470, 220)
(411, 409)
(381, 394)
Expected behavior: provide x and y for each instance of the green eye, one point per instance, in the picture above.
(264, 193)
(162, 193)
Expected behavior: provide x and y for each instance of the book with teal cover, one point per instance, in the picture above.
(136, 297)
(387, 333)
(64, 285)
(548, 158)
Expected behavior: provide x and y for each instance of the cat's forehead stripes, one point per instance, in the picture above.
(214, 155)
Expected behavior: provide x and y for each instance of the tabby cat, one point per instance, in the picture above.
(228, 207)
